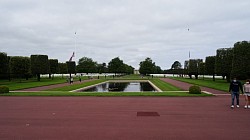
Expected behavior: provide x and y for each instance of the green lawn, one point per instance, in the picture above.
(163, 85)
(77, 86)
(64, 91)
(159, 83)
(218, 84)
(16, 85)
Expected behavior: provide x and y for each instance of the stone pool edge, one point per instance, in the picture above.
(154, 86)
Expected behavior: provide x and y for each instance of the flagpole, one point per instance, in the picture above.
(75, 45)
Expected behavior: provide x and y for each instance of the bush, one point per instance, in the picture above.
(4, 89)
(194, 90)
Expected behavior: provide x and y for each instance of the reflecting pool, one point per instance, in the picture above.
(120, 87)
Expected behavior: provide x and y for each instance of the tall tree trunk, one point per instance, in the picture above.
(228, 78)
(190, 76)
(38, 77)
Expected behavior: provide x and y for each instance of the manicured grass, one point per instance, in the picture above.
(73, 87)
(164, 86)
(159, 83)
(106, 94)
(134, 76)
(16, 85)
(64, 91)
(218, 84)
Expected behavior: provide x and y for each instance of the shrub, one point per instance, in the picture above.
(4, 89)
(194, 90)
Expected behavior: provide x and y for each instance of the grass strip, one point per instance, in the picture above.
(31, 83)
(77, 86)
(217, 84)
(164, 86)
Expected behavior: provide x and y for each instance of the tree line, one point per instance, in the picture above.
(228, 63)
(35, 65)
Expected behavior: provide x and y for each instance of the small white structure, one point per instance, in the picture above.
(136, 72)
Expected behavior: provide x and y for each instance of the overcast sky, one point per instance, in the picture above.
(164, 30)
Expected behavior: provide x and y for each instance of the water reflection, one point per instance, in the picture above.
(121, 87)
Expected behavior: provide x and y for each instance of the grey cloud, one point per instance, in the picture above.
(130, 29)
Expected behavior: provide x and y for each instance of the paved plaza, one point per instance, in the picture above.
(115, 118)
(123, 118)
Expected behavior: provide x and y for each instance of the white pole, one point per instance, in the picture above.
(75, 45)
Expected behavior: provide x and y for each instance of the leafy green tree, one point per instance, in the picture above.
(176, 68)
(101, 68)
(3, 65)
(147, 66)
(193, 65)
(186, 67)
(116, 66)
(53, 64)
(157, 70)
(201, 69)
(71, 66)
(176, 65)
(241, 60)
(62, 67)
(129, 69)
(20, 66)
(39, 65)
(210, 66)
(86, 65)
(223, 62)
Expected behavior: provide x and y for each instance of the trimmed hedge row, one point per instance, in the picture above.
(194, 90)
(4, 89)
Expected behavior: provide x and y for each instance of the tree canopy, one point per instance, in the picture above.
(20, 66)
(241, 60)
(39, 65)
(176, 65)
(62, 67)
(147, 66)
(223, 62)
(71, 66)
(210, 66)
(87, 65)
(116, 66)
(3, 65)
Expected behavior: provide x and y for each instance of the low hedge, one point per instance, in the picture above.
(4, 89)
(194, 90)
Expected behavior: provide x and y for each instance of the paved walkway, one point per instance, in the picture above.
(185, 86)
(115, 118)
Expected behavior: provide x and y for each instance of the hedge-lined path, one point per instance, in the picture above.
(185, 86)
(54, 86)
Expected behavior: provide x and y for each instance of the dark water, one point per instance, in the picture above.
(121, 87)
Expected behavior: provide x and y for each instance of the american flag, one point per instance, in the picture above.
(73, 55)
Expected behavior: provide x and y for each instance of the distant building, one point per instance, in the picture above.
(136, 72)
